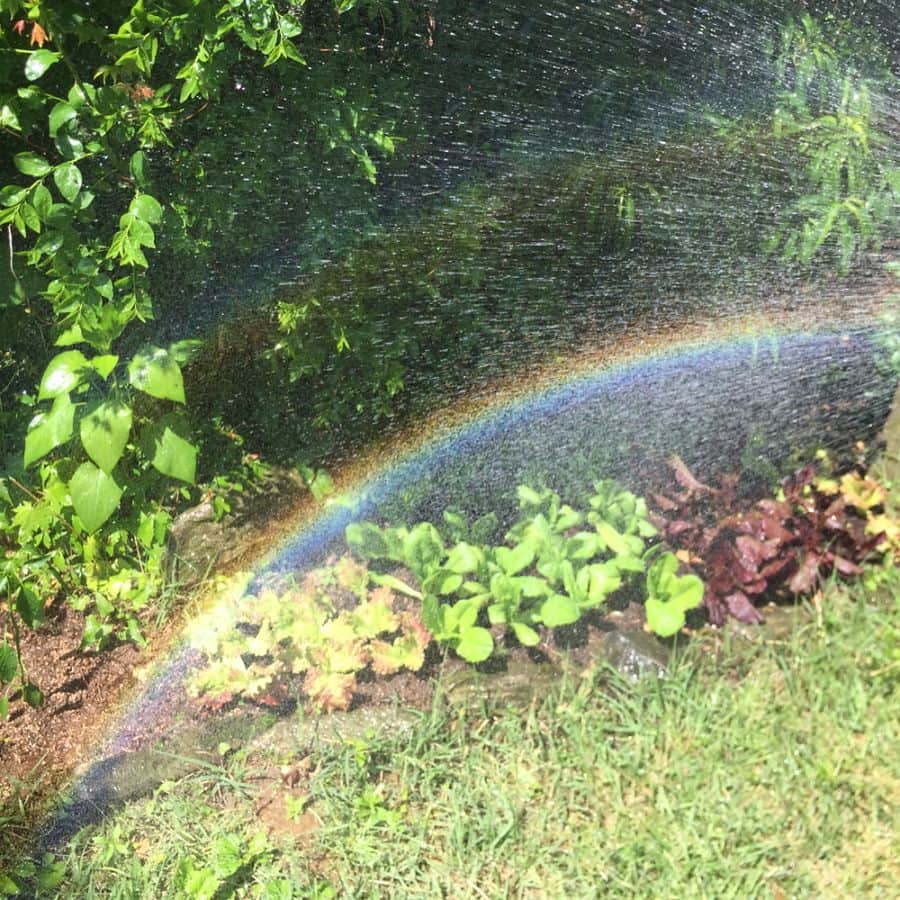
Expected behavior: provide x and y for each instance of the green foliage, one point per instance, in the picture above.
(42, 878)
(231, 858)
(509, 798)
(670, 596)
(830, 113)
(556, 564)
(357, 359)
(100, 119)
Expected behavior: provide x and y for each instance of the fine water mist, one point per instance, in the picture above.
(560, 274)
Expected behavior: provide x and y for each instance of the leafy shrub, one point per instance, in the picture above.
(817, 526)
(105, 120)
(830, 113)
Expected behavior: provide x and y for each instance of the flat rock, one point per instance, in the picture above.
(517, 685)
(633, 654)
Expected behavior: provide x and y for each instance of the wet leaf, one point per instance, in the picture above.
(742, 609)
(49, 430)
(475, 644)
(9, 663)
(807, 575)
(104, 433)
(63, 373)
(95, 495)
(559, 609)
(329, 690)
(155, 372)
(32, 695)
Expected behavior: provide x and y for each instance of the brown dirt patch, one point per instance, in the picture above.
(82, 690)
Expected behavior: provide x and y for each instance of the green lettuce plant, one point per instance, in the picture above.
(670, 596)
(556, 564)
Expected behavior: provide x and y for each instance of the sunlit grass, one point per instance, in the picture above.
(770, 770)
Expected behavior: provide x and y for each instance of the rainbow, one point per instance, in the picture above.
(473, 446)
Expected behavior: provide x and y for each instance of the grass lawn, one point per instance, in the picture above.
(763, 770)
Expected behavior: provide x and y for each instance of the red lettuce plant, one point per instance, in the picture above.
(773, 548)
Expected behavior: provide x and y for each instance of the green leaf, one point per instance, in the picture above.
(475, 644)
(28, 217)
(70, 336)
(528, 497)
(9, 118)
(432, 614)
(201, 884)
(366, 540)
(612, 539)
(627, 563)
(423, 548)
(461, 615)
(31, 164)
(51, 873)
(226, 856)
(9, 663)
(664, 619)
(532, 586)
(514, 560)
(49, 430)
(63, 373)
(12, 195)
(171, 453)
(687, 592)
(104, 364)
(497, 614)
(464, 558)
(142, 234)
(505, 589)
(68, 146)
(568, 518)
(104, 433)
(442, 582)
(185, 351)
(146, 208)
(582, 546)
(68, 181)
(38, 62)
(59, 115)
(661, 573)
(30, 607)
(321, 484)
(95, 495)
(395, 584)
(42, 201)
(32, 695)
(525, 635)
(559, 610)
(6, 885)
(669, 596)
(136, 166)
(603, 580)
(155, 372)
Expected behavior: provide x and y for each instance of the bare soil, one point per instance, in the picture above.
(82, 690)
